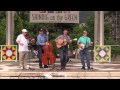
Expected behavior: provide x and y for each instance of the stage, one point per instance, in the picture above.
(11, 70)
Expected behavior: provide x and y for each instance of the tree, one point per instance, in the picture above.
(18, 27)
(90, 27)
(2, 27)
(2, 31)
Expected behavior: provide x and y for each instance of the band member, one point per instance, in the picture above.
(23, 49)
(64, 48)
(84, 54)
(41, 41)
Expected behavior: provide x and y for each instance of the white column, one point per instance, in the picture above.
(101, 28)
(12, 29)
(96, 28)
(9, 28)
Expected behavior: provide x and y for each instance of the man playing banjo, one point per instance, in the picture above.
(83, 44)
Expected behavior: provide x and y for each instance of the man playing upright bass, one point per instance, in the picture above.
(41, 41)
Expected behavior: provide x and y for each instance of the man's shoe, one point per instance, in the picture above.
(45, 66)
(40, 66)
(21, 67)
(26, 67)
(62, 68)
(83, 68)
(90, 68)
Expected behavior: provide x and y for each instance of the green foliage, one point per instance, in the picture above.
(2, 31)
(2, 27)
(107, 38)
(75, 33)
(18, 27)
(2, 14)
(115, 51)
(90, 27)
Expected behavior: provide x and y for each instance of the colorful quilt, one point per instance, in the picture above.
(102, 53)
(9, 53)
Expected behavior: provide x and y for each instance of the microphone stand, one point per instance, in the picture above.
(96, 43)
(30, 49)
(92, 53)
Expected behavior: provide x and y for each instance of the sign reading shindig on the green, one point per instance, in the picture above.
(54, 16)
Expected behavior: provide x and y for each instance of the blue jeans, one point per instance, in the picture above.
(84, 54)
(63, 56)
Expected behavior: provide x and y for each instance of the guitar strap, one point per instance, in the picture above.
(63, 40)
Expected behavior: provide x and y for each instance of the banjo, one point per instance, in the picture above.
(82, 46)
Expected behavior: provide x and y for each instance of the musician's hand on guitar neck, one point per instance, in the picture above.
(71, 41)
(75, 39)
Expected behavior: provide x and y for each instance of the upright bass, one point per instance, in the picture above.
(48, 56)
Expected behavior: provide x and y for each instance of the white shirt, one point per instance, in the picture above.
(24, 41)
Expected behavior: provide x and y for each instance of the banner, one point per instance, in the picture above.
(102, 53)
(8, 52)
(54, 16)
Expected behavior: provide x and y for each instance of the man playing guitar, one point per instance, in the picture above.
(63, 47)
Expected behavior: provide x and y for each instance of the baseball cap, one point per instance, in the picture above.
(24, 30)
(84, 31)
(40, 29)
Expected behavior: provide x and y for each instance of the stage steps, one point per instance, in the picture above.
(60, 75)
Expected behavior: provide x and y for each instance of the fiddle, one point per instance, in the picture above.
(30, 39)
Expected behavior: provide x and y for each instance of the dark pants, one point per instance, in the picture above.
(40, 55)
(84, 54)
(64, 56)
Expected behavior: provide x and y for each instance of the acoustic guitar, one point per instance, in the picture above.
(63, 42)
